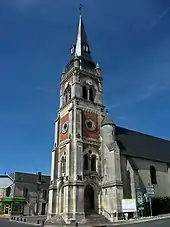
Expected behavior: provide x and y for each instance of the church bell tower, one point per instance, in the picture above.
(75, 156)
(76, 169)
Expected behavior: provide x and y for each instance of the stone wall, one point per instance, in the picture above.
(136, 175)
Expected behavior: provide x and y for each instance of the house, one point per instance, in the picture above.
(24, 193)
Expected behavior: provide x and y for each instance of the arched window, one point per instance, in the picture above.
(84, 92)
(153, 175)
(8, 191)
(93, 163)
(91, 95)
(65, 97)
(128, 190)
(86, 162)
(88, 93)
(63, 165)
(67, 94)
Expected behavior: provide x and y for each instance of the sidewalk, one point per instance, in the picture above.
(33, 220)
(121, 222)
(4, 216)
(140, 220)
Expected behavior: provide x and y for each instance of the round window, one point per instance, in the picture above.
(90, 125)
(65, 127)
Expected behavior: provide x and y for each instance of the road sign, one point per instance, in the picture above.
(139, 197)
(139, 194)
(150, 194)
(150, 191)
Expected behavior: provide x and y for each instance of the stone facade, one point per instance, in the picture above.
(85, 173)
(89, 171)
(136, 175)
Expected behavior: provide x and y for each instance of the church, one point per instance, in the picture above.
(95, 163)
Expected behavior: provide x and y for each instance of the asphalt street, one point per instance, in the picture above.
(156, 223)
(7, 223)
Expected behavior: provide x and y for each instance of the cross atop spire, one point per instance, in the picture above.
(81, 47)
(80, 8)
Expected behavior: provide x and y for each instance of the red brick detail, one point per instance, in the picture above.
(87, 133)
(62, 121)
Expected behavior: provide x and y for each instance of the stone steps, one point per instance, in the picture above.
(96, 219)
(90, 220)
(56, 220)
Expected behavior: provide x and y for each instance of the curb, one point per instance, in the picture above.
(24, 221)
(124, 222)
(120, 223)
(140, 221)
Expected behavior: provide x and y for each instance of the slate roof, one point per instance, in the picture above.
(28, 177)
(80, 41)
(140, 145)
(107, 120)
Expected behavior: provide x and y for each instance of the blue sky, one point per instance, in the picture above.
(130, 40)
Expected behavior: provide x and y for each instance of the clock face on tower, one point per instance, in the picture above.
(89, 82)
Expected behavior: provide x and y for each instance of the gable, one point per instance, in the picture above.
(137, 144)
(5, 181)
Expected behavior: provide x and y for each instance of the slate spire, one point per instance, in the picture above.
(107, 120)
(80, 47)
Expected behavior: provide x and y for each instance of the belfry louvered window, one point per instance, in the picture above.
(93, 163)
(88, 93)
(84, 92)
(91, 94)
(63, 166)
(86, 162)
(67, 94)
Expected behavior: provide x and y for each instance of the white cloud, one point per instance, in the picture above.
(149, 92)
(165, 12)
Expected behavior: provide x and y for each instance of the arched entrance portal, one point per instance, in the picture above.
(89, 200)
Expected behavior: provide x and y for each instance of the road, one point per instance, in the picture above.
(7, 223)
(155, 223)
